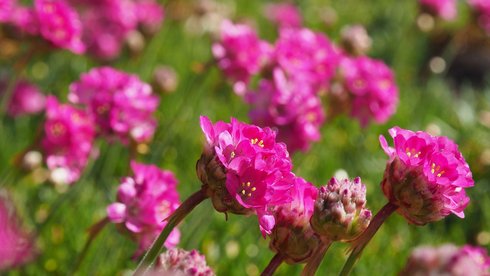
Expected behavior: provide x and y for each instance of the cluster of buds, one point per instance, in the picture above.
(178, 262)
(340, 213)
(447, 260)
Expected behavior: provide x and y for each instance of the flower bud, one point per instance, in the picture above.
(339, 212)
(178, 262)
(355, 40)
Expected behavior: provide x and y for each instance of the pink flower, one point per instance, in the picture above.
(292, 235)
(482, 9)
(445, 9)
(144, 201)
(425, 176)
(121, 103)
(25, 19)
(240, 53)
(245, 169)
(180, 262)
(26, 99)
(306, 56)
(17, 245)
(150, 14)
(372, 89)
(291, 107)
(60, 24)
(447, 260)
(285, 15)
(68, 139)
(6, 9)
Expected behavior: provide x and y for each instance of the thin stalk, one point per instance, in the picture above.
(93, 232)
(312, 265)
(360, 243)
(174, 219)
(273, 265)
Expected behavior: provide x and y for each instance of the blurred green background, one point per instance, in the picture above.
(235, 247)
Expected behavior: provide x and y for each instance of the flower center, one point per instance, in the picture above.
(58, 130)
(259, 143)
(413, 152)
(247, 189)
(436, 170)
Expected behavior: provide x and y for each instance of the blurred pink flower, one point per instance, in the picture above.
(60, 24)
(121, 103)
(6, 9)
(150, 14)
(26, 99)
(371, 87)
(144, 201)
(482, 9)
(68, 139)
(25, 19)
(291, 107)
(178, 262)
(17, 247)
(425, 176)
(257, 168)
(447, 260)
(306, 56)
(285, 15)
(240, 53)
(445, 9)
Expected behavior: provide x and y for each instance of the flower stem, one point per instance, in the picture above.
(360, 243)
(312, 265)
(173, 220)
(93, 231)
(273, 265)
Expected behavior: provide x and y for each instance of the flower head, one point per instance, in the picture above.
(285, 15)
(425, 176)
(340, 213)
(6, 9)
(17, 246)
(60, 24)
(355, 40)
(178, 262)
(482, 9)
(68, 139)
(239, 52)
(26, 99)
(291, 107)
(121, 103)
(447, 260)
(144, 201)
(244, 169)
(445, 9)
(292, 235)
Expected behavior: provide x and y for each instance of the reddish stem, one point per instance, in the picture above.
(273, 265)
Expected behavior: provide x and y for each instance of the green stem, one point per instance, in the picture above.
(174, 219)
(360, 243)
(312, 265)
(273, 265)
(93, 231)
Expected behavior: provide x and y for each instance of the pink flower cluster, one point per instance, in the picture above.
(447, 260)
(17, 246)
(144, 201)
(68, 138)
(101, 27)
(120, 103)
(180, 262)
(426, 176)
(445, 9)
(26, 99)
(370, 87)
(482, 9)
(258, 169)
(285, 15)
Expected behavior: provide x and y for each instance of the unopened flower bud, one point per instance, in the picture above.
(178, 262)
(355, 40)
(340, 213)
(32, 160)
(165, 79)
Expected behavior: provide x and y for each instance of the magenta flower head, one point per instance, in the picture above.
(240, 53)
(60, 24)
(17, 245)
(150, 14)
(425, 176)
(370, 84)
(6, 9)
(482, 10)
(291, 107)
(445, 9)
(307, 56)
(244, 170)
(68, 140)
(285, 15)
(121, 103)
(178, 262)
(144, 201)
(292, 236)
(447, 260)
(26, 99)
(340, 213)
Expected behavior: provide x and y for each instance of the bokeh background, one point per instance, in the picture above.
(432, 98)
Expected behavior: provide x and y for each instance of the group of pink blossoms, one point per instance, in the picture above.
(295, 73)
(98, 27)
